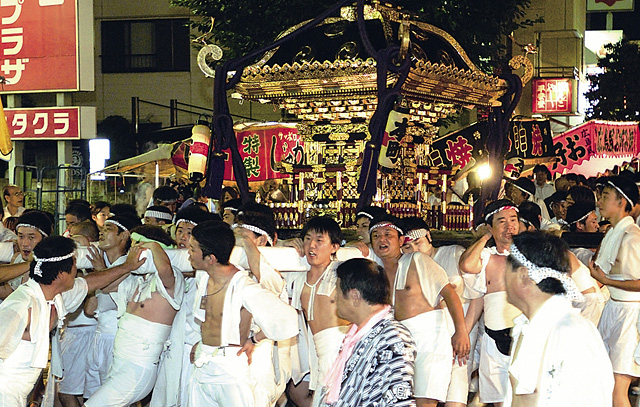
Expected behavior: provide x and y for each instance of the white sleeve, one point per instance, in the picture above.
(73, 298)
(475, 285)
(432, 277)
(82, 262)
(276, 319)
(270, 279)
(6, 252)
(179, 259)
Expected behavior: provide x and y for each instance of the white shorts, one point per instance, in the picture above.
(493, 373)
(592, 307)
(460, 375)
(75, 345)
(434, 356)
(327, 345)
(99, 360)
(223, 379)
(17, 377)
(137, 348)
(126, 383)
(620, 335)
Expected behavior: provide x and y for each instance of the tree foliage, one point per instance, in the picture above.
(480, 26)
(614, 94)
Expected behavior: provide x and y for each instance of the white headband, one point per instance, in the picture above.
(157, 214)
(118, 224)
(364, 214)
(187, 221)
(521, 189)
(500, 209)
(537, 274)
(254, 229)
(621, 193)
(582, 218)
(385, 225)
(26, 225)
(415, 234)
(39, 262)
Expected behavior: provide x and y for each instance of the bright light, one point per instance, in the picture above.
(99, 153)
(484, 172)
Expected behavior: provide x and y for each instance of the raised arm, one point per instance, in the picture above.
(162, 264)
(470, 260)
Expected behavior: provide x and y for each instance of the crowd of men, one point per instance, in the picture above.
(183, 307)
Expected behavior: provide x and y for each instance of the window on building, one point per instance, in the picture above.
(145, 46)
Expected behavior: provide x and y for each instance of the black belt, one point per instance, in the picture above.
(502, 338)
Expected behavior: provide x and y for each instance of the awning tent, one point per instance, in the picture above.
(159, 161)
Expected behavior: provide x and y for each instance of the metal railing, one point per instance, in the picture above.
(557, 72)
(174, 107)
(68, 182)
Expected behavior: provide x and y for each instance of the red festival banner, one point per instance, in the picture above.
(595, 138)
(39, 45)
(51, 123)
(262, 148)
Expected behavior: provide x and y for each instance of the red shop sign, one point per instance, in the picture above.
(39, 45)
(55, 123)
(552, 95)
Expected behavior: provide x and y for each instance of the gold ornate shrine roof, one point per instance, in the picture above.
(327, 75)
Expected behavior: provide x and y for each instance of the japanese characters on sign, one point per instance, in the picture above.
(615, 139)
(39, 45)
(262, 149)
(599, 138)
(459, 151)
(59, 123)
(394, 132)
(530, 139)
(527, 139)
(552, 95)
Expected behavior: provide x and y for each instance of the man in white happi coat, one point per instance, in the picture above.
(147, 301)
(186, 219)
(363, 223)
(227, 301)
(37, 307)
(616, 266)
(559, 359)
(418, 239)
(78, 332)
(313, 295)
(270, 361)
(113, 245)
(31, 228)
(486, 266)
(419, 286)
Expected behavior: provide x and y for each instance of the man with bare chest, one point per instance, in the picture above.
(419, 286)
(147, 302)
(38, 306)
(227, 300)
(489, 264)
(313, 295)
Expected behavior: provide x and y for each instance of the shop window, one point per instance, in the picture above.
(145, 46)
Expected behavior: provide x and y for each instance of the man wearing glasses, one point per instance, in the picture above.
(14, 201)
